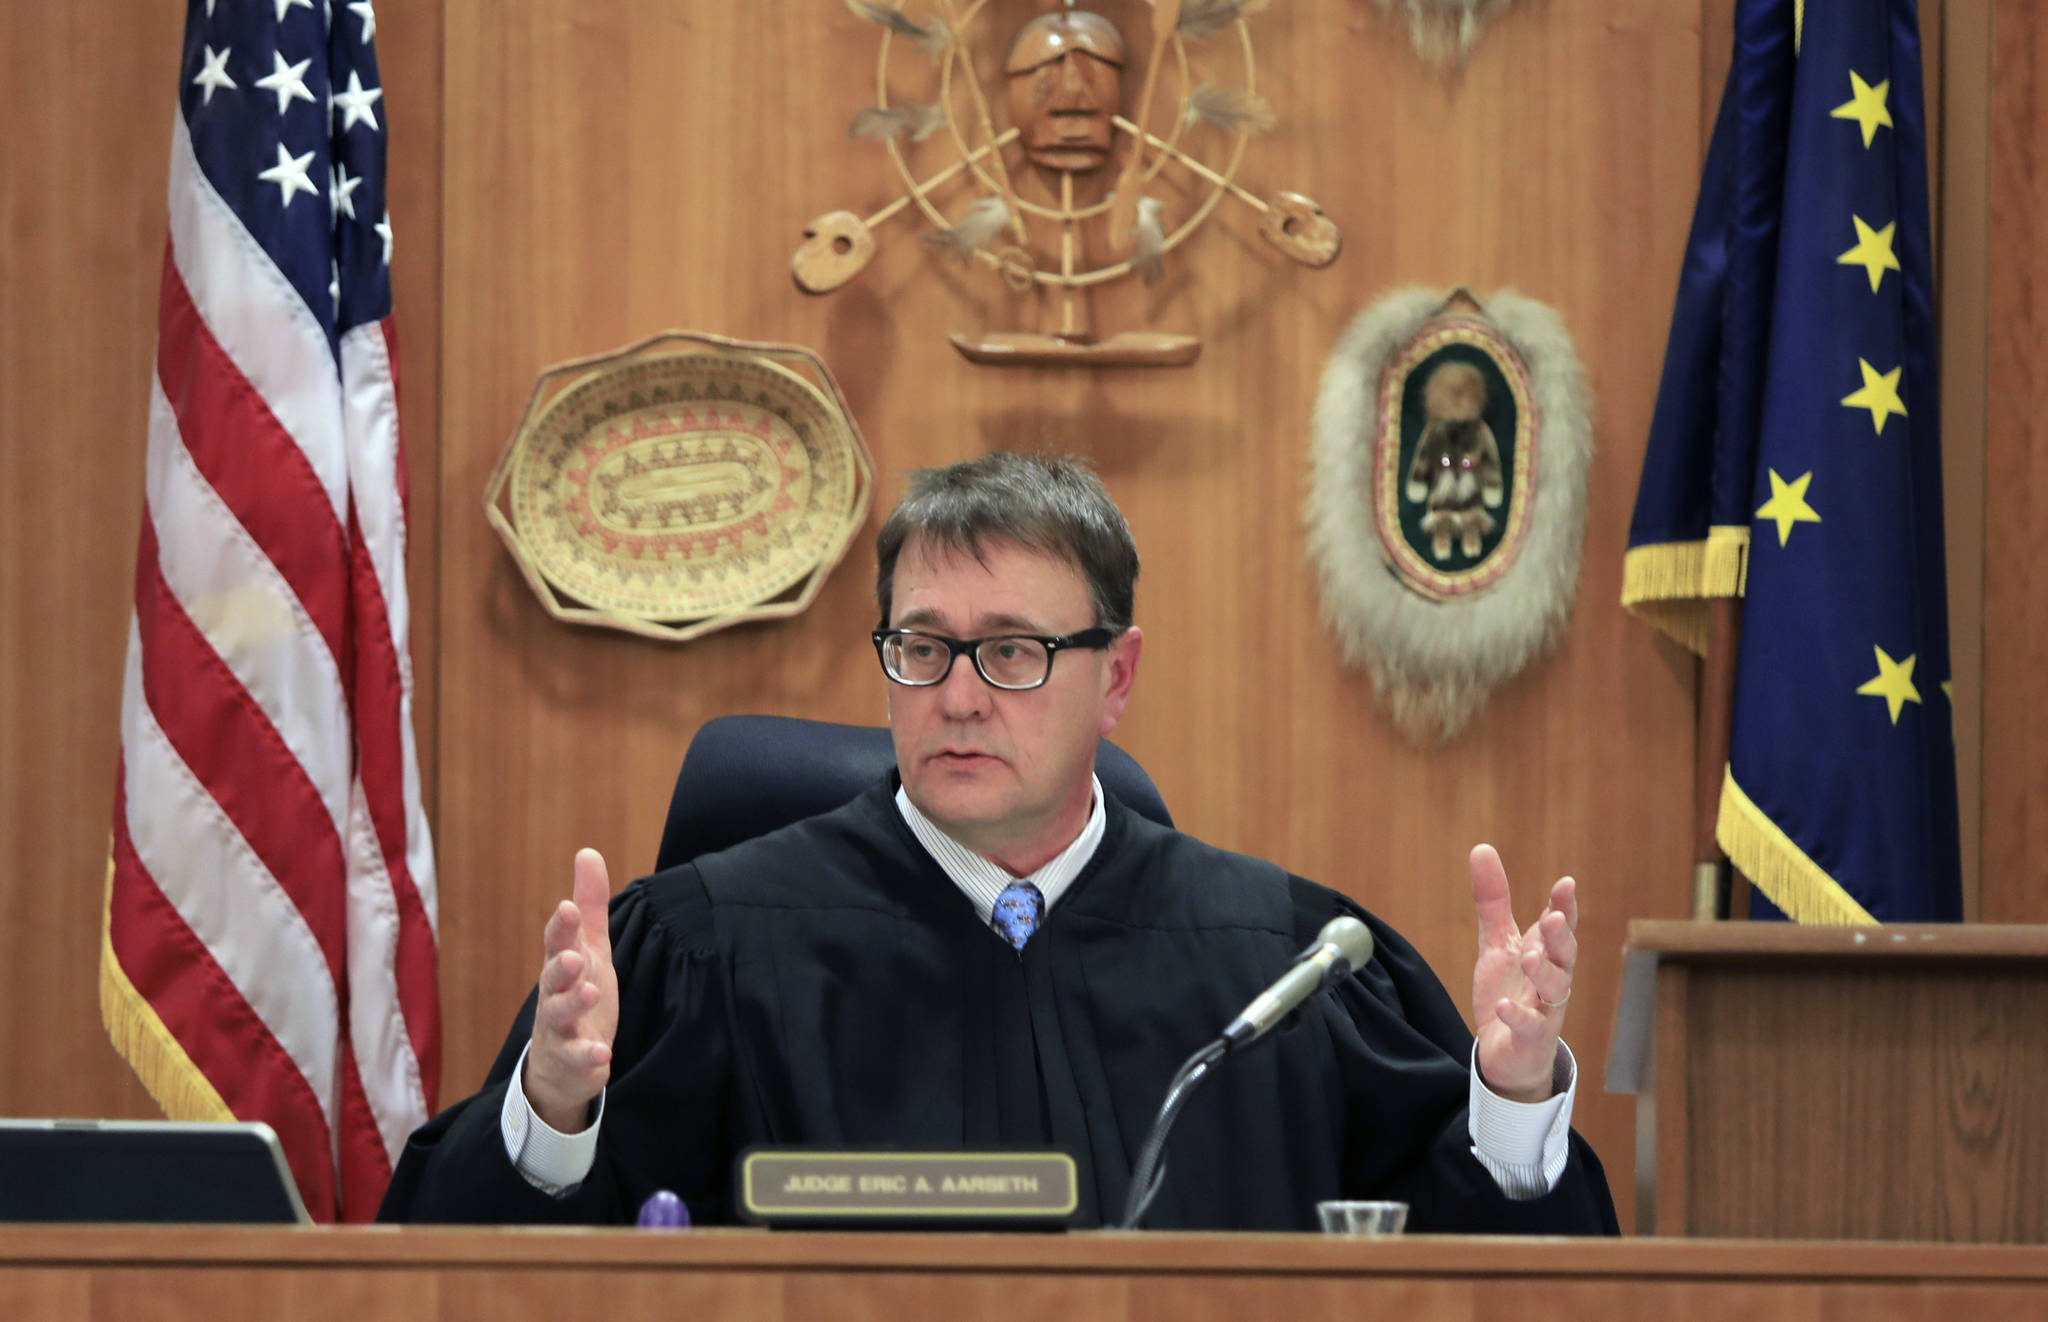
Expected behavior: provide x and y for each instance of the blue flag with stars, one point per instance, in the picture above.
(1795, 461)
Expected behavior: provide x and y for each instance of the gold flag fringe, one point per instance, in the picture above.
(150, 1048)
(1666, 584)
(1780, 868)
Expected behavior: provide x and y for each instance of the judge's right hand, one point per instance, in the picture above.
(577, 1013)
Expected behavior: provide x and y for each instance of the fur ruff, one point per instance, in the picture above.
(1433, 664)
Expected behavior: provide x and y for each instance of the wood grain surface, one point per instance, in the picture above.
(569, 177)
(1838, 1082)
(1096, 1252)
(81, 255)
(228, 1276)
(2015, 683)
(1868, 1104)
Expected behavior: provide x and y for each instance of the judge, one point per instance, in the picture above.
(987, 950)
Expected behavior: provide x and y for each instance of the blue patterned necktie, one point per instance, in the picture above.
(1017, 912)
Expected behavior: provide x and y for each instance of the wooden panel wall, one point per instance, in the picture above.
(2015, 790)
(81, 254)
(604, 171)
(613, 170)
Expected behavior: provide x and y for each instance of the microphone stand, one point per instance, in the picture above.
(1150, 1172)
(1343, 945)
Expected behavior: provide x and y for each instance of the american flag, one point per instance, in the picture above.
(270, 936)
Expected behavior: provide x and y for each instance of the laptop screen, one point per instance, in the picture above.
(145, 1171)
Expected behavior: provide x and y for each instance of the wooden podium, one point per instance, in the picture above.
(415, 1274)
(1835, 1082)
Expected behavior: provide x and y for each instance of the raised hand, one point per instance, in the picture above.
(578, 1009)
(1521, 981)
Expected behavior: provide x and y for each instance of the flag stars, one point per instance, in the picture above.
(1873, 251)
(334, 284)
(286, 6)
(288, 81)
(1880, 394)
(383, 230)
(364, 10)
(1787, 504)
(214, 75)
(355, 102)
(338, 193)
(289, 174)
(1866, 105)
(1894, 683)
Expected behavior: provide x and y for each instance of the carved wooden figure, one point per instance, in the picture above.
(1063, 72)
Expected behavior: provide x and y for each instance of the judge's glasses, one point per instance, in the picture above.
(1007, 661)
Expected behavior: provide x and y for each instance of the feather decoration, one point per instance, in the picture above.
(1444, 32)
(1199, 18)
(1231, 110)
(933, 36)
(1148, 241)
(975, 230)
(880, 123)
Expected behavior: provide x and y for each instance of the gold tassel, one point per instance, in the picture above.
(150, 1049)
(1666, 584)
(1779, 867)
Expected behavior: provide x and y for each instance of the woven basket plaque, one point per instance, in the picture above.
(681, 485)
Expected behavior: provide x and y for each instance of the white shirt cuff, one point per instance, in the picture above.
(1524, 1145)
(549, 1160)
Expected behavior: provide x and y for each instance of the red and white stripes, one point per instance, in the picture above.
(270, 944)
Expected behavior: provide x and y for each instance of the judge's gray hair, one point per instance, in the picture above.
(1053, 505)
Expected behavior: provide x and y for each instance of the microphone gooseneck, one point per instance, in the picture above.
(1344, 944)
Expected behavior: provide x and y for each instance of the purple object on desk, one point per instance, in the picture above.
(664, 1211)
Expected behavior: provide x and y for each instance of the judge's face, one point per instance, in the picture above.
(1006, 773)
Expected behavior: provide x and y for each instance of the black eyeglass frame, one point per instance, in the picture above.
(1093, 640)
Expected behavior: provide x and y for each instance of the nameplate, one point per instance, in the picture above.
(877, 1188)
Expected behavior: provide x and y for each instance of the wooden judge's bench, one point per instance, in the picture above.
(1886, 1083)
(116, 1274)
(1829, 1118)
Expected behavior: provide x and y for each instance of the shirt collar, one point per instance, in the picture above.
(982, 879)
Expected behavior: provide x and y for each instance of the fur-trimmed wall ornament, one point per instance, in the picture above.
(1447, 497)
(1445, 31)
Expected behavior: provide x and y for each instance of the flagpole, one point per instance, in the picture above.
(1714, 882)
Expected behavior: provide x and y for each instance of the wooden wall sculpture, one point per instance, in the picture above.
(570, 176)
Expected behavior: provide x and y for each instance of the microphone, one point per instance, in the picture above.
(1344, 944)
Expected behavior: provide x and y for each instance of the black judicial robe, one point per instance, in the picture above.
(827, 984)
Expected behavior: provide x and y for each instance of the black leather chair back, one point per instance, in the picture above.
(744, 776)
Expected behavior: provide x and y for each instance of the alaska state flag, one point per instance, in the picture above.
(1795, 461)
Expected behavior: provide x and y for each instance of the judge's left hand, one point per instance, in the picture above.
(1521, 982)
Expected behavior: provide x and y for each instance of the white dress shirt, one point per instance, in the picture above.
(1521, 1144)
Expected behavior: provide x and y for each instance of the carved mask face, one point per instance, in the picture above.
(1066, 78)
